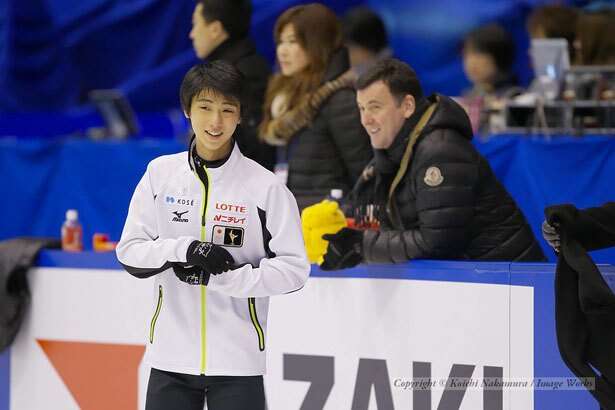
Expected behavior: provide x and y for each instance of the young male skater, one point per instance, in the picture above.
(221, 235)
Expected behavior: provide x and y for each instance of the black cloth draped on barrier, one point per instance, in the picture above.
(16, 257)
(584, 303)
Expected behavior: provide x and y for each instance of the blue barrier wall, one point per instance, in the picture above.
(539, 172)
(39, 180)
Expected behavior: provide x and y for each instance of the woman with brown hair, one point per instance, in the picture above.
(310, 106)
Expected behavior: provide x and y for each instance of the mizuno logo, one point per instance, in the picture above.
(178, 216)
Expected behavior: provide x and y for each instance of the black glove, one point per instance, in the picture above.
(345, 249)
(194, 275)
(211, 258)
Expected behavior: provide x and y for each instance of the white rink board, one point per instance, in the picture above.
(401, 322)
(395, 321)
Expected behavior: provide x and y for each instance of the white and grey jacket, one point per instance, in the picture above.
(218, 329)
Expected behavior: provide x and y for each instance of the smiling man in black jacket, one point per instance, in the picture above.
(220, 31)
(434, 195)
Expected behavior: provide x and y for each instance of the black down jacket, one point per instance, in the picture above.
(333, 149)
(448, 204)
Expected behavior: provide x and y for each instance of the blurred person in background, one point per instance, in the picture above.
(366, 38)
(595, 39)
(554, 22)
(220, 31)
(594, 46)
(488, 57)
(434, 195)
(310, 107)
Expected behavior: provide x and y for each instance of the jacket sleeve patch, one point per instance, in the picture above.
(227, 236)
(433, 177)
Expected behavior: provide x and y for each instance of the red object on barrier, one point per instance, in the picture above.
(101, 243)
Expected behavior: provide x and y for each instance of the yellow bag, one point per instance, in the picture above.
(317, 220)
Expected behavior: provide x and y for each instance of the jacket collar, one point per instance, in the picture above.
(281, 130)
(218, 172)
(338, 65)
(233, 50)
(388, 160)
(447, 115)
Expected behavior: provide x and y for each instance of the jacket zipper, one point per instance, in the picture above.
(156, 314)
(205, 185)
(257, 325)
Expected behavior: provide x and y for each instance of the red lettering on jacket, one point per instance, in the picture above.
(229, 219)
(231, 207)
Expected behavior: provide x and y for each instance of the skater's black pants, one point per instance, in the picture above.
(167, 390)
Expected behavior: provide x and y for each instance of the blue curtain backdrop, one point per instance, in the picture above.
(53, 51)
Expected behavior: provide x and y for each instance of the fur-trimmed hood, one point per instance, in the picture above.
(280, 129)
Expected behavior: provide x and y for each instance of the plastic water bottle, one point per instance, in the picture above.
(72, 232)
